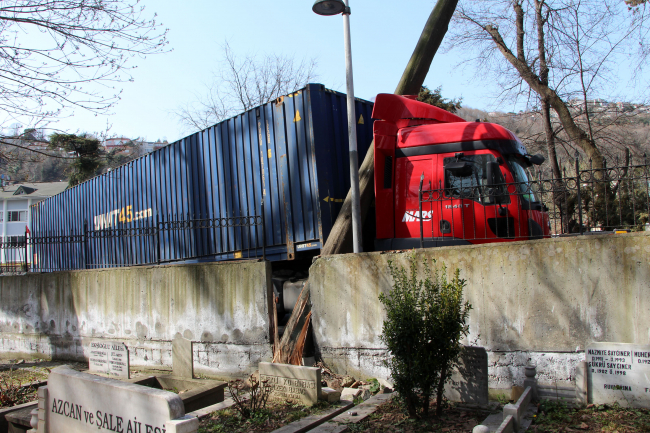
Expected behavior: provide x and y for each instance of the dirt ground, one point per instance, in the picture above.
(390, 417)
(274, 416)
(553, 416)
(557, 417)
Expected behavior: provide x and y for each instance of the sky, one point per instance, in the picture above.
(384, 34)
(383, 37)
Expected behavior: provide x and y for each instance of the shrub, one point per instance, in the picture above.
(426, 319)
(249, 402)
(12, 392)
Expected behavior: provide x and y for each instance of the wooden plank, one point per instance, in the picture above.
(331, 427)
(308, 423)
(362, 411)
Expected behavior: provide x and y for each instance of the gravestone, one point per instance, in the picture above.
(76, 402)
(291, 382)
(182, 357)
(469, 382)
(109, 357)
(618, 372)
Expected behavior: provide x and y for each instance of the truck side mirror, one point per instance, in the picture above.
(536, 159)
(459, 168)
(492, 173)
(493, 182)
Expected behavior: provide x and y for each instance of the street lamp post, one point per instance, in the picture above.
(335, 7)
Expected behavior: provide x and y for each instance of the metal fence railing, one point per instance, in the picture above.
(169, 240)
(593, 200)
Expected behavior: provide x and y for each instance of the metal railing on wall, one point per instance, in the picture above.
(591, 201)
(175, 238)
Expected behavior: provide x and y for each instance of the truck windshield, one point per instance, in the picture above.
(473, 186)
(520, 175)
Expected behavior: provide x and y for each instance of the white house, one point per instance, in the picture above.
(15, 215)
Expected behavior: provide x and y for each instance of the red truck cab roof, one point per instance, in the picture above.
(434, 130)
(442, 133)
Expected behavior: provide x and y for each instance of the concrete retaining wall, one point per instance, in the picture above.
(222, 307)
(543, 300)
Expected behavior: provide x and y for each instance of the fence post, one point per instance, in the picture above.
(577, 155)
(421, 223)
(26, 265)
(263, 233)
(157, 233)
(85, 244)
(647, 186)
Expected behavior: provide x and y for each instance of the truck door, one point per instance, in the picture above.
(469, 209)
(408, 172)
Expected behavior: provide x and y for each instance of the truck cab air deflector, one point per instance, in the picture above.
(392, 107)
(505, 147)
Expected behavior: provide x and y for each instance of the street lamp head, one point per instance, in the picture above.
(328, 7)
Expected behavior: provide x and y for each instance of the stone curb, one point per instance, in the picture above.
(513, 415)
(206, 411)
(517, 409)
(508, 425)
(4, 424)
(312, 421)
(361, 411)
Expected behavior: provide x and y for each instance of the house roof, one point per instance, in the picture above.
(27, 190)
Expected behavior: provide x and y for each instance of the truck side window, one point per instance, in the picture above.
(521, 176)
(474, 186)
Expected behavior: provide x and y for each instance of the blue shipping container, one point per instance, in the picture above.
(287, 158)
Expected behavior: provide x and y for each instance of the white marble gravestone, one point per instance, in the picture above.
(109, 357)
(618, 372)
(76, 402)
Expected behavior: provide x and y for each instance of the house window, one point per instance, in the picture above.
(17, 215)
(2, 216)
(14, 241)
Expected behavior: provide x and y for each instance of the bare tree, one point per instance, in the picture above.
(52, 50)
(243, 83)
(57, 55)
(559, 49)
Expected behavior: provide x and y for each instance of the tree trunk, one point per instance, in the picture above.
(441, 390)
(339, 240)
(291, 345)
(430, 39)
(575, 133)
(550, 139)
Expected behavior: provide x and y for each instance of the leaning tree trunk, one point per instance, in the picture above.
(339, 241)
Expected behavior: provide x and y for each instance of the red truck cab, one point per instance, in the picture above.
(440, 180)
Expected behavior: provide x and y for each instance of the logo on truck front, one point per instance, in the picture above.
(414, 215)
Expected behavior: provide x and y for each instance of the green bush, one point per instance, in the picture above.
(426, 319)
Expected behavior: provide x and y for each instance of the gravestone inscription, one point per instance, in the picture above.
(291, 382)
(618, 372)
(469, 382)
(77, 402)
(109, 357)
